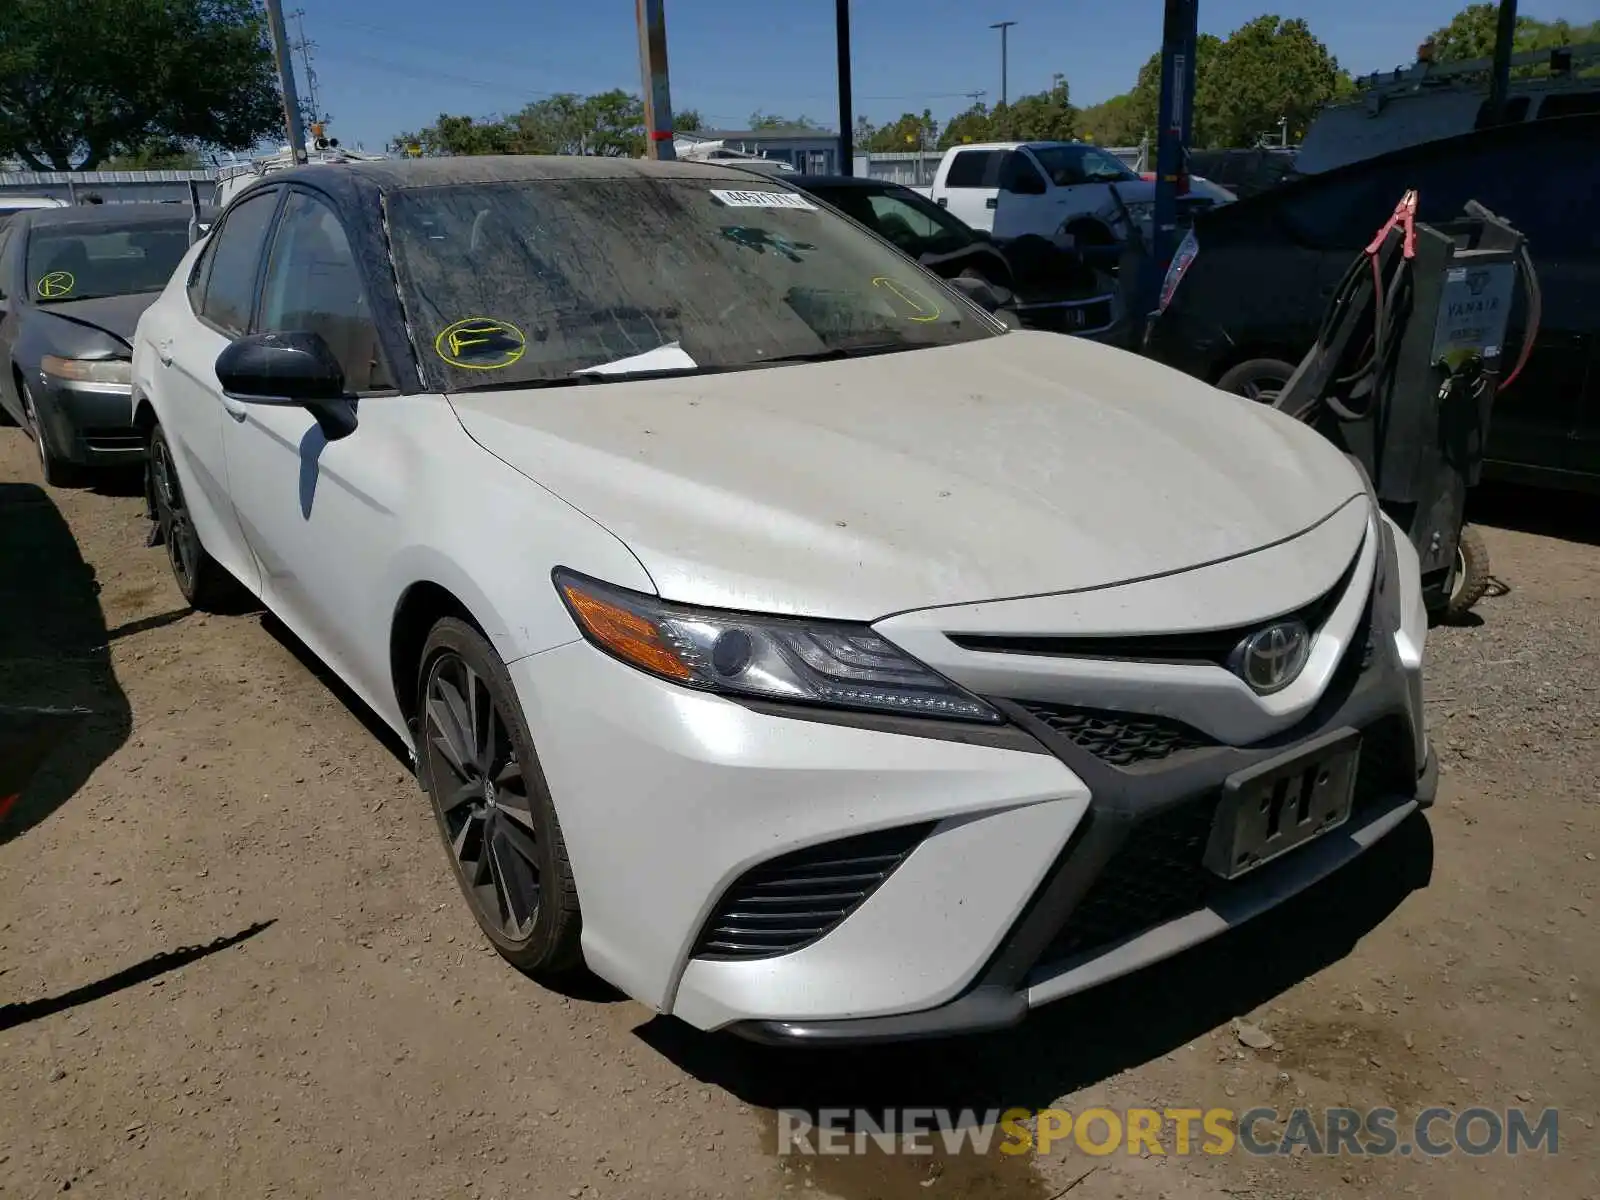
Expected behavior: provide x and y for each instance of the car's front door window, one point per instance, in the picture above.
(313, 285)
(909, 228)
(230, 278)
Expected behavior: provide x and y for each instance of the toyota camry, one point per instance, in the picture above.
(778, 636)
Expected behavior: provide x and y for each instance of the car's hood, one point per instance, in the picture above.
(116, 315)
(1016, 465)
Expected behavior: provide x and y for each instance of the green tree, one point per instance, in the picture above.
(766, 120)
(81, 80)
(453, 135)
(1267, 69)
(1112, 122)
(1039, 117)
(158, 154)
(972, 125)
(910, 132)
(687, 120)
(1471, 35)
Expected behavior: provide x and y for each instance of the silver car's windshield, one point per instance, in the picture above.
(542, 281)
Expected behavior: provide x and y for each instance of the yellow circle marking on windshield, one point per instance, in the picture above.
(56, 284)
(924, 309)
(480, 344)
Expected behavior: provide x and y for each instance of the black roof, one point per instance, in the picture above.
(358, 183)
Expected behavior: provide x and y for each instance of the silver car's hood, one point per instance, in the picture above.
(1016, 465)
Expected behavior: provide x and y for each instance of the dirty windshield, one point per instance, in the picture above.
(82, 261)
(557, 280)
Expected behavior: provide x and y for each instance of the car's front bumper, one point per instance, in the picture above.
(88, 423)
(1039, 867)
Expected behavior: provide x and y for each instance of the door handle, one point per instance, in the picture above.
(164, 352)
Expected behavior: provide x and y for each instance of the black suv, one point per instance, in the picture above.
(1246, 293)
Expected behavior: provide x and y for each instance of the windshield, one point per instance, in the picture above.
(1067, 165)
(83, 261)
(915, 225)
(530, 282)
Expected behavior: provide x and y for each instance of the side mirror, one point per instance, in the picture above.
(289, 369)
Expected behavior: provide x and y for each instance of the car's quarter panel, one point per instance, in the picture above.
(1009, 466)
(666, 795)
(174, 369)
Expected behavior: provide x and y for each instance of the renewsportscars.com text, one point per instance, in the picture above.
(1432, 1132)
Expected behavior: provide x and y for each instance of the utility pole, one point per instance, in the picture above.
(313, 113)
(291, 100)
(1002, 26)
(652, 19)
(847, 121)
(1174, 119)
(1500, 75)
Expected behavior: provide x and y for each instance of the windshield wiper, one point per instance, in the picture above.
(833, 353)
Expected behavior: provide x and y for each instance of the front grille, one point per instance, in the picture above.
(789, 902)
(1214, 646)
(1155, 877)
(1084, 317)
(1119, 738)
(1158, 874)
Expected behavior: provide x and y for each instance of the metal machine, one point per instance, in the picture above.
(1404, 373)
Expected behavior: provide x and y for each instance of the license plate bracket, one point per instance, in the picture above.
(1273, 807)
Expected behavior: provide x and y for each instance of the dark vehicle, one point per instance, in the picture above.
(1244, 172)
(1245, 296)
(73, 282)
(1048, 287)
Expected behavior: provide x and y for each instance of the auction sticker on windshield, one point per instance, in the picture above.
(56, 284)
(480, 344)
(763, 199)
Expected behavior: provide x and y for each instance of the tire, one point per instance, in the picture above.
(1259, 379)
(58, 472)
(477, 763)
(204, 582)
(1470, 579)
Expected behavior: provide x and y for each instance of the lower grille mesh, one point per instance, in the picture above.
(1158, 875)
(791, 901)
(1119, 738)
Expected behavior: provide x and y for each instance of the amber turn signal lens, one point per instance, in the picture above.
(627, 635)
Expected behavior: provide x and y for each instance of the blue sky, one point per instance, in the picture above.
(388, 65)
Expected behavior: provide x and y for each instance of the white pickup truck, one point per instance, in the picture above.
(1046, 188)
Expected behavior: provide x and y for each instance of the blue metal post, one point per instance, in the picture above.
(1174, 120)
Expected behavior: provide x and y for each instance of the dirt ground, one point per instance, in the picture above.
(233, 962)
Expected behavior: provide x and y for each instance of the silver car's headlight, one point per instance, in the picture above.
(88, 370)
(831, 663)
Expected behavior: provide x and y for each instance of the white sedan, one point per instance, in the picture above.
(777, 635)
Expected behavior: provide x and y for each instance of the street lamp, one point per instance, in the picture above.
(1002, 26)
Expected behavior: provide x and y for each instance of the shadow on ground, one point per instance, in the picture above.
(1570, 516)
(12, 1015)
(1064, 1047)
(54, 656)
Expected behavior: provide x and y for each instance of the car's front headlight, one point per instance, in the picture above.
(88, 370)
(831, 663)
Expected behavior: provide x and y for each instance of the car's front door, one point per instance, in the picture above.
(185, 339)
(10, 401)
(320, 515)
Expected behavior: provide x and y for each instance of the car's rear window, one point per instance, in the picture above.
(80, 261)
(516, 283)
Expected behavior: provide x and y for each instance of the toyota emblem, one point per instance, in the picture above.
(1270, 659)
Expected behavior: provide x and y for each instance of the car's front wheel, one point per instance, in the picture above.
(493, 808)
(58, 472)
(1259, 379)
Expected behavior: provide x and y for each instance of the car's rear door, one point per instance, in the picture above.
(321, 516)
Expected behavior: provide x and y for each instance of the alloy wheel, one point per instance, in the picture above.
(480, 796)
(172, 514)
